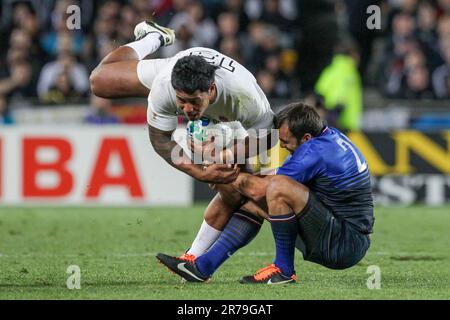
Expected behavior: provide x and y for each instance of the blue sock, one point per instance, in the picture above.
(285, 230)
(239, 231)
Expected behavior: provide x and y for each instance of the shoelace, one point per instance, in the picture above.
(266, 272)
(187, 257)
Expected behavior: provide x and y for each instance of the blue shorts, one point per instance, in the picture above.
(328, 239)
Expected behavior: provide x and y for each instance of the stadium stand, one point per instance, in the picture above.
(287, 44)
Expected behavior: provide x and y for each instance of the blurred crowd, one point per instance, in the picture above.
(41, 57)
(416, 62)
(293, 47)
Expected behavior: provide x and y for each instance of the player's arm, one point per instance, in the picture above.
(173, 154)
(116, 76)
(301, 168)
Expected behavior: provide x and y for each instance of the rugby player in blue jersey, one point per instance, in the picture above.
(319, 202)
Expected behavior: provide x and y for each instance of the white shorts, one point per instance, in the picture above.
(147, 70)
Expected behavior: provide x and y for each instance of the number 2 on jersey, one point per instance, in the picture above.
(344, 145)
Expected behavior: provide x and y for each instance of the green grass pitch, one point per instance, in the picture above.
(115, 249)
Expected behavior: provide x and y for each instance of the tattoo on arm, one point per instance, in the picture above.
(162, 143)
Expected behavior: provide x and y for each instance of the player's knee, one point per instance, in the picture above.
(94, 79)
(230, 197)
(211, 219)
(280, 186)
(214, 218)
(276, 189)
(100, 84)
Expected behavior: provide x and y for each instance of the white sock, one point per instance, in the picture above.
(146, 46)
(206, 237)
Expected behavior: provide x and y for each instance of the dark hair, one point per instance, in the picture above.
(301, 119)
(192, 73)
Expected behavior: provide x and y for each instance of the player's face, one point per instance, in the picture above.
(194, 105)
(287, 139)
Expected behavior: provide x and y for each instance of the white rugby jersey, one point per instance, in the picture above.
(239, 97)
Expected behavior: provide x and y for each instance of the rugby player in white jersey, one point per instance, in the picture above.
(199, 83)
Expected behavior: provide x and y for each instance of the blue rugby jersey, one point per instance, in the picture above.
(333, 168)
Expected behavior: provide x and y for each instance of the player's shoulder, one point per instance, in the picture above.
(162, 95)
(162, 83)
(308, 152)
(335, 136)
(238, 81)
(319, 149)
(327, 137)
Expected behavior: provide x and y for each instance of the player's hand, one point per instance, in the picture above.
(208, 150)
(203, 149)
(219, 173)
(211, 153)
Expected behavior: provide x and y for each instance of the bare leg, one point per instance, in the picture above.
(285, 196)
(226, 202)
(116, 76)
(240, 229)
(216, 216)
(218, 212)
(285, 199)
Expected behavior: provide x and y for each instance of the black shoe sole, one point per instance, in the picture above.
(182, 274)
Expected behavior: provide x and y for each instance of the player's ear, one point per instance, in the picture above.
(306, 137)
(212, 88)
